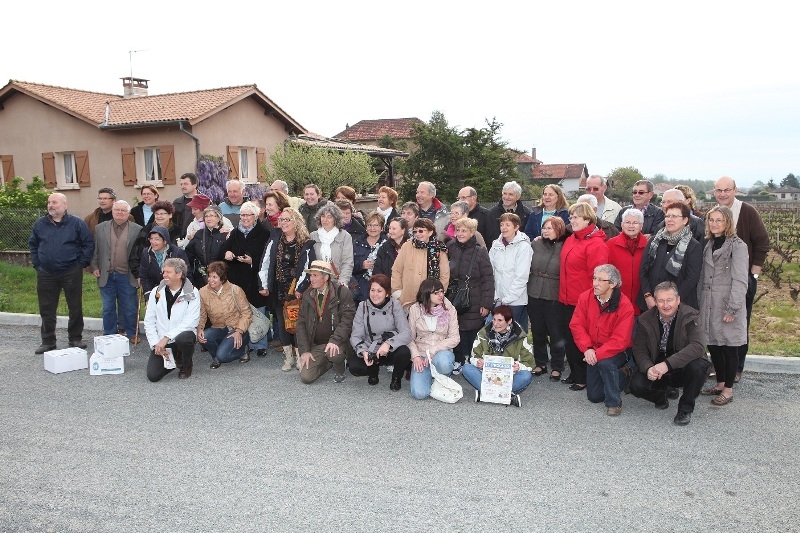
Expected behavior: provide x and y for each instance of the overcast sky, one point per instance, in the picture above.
(692, 90)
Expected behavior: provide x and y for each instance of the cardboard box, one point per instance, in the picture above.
(112, 345)
(100, 365)
(66, 360)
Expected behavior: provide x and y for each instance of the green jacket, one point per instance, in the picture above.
(519, 348)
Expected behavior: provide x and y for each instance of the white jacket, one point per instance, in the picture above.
(185, 313)
(512, 266)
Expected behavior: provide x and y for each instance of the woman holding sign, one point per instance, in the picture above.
(505, 338)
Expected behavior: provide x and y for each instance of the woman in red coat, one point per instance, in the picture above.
(625, 252)
(584, 250)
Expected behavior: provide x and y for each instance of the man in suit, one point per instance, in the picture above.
(114, 242)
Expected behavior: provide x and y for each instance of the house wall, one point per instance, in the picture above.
(29, 128)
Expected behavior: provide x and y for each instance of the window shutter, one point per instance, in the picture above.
(128, 167)
(233, 162)
(82, 167)
(8, 167)
(167, 164)
(261, 160)
(49, 169)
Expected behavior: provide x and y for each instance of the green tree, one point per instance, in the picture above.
(451, 159)
(620, 183)
(299, 165)
(757, 187)
(34, 195)
(771, 184)
(790, 181)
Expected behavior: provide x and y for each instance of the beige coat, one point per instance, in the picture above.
(411, 268)
(722, 289)
(223, 310)
(423, 341)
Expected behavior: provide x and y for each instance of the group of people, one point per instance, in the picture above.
(629, 297)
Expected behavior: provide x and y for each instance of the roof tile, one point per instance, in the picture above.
(398, 128)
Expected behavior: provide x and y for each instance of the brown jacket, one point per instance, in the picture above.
(343, 311)
(411, 268)
(223, 310)
(688, 341)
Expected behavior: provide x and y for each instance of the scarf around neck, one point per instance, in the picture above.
(498, 342)
(433, 247)
(681, 242)
(326, 239)
(439, 312)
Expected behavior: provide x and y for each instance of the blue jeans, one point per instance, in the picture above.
(473, 376)
(264, 342)
(220, 346)
(118, 291)
(520, 316)
(605, 381)
(420, 383)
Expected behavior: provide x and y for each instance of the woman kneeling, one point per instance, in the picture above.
(503, 337)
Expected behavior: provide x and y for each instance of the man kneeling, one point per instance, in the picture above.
(669, 349)
(324, 325)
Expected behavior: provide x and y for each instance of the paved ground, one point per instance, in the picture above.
(249, 448)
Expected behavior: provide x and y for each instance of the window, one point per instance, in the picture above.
(244, 169)
(66, 172)
(6, 168)
(148, 165)
(152, 164)
(245, 163)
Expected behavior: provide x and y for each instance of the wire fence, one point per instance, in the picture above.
(16, 224)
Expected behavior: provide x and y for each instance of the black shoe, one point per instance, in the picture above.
(183, 374)
(395, 384)
(682, 419)
(577, 387)
(215, 364)
(373, 380)
(77, 344)
(663, 404)
(44, 348)
(245, 358)
(672, 393)
(569, 380)
(515, 400)
(262, 352)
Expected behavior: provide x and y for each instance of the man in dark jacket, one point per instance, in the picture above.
(183, 216)
(509, 203)
(669, 350)
(642, 195)
(324, 326)
(476, 211)
(61, 247)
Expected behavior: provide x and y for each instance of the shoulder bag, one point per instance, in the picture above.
(458, 292)
(259, 325)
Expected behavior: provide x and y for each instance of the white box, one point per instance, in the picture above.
(112, 345)
(100, 365)
(58, 361)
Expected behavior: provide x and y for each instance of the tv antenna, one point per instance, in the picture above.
(130, 57)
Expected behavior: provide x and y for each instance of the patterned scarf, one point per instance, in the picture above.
(498, 342)
(441, 314)
(680, 240)
(434, 247)
(285, 278)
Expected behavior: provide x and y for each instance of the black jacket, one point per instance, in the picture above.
(493, 231)
(205, 247)
(242, 274)
(481, 281)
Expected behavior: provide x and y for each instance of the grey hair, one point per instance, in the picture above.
(332, 210)
(676, 192)
(513, 186)
(228, 184)
(603, 181)
(431, 187)
(283, 185)
(461, 206)
(635, 213)
(177, 264)
(666, 286)
(251, 207)
(612, 273)
(123, 202)
(587, 199)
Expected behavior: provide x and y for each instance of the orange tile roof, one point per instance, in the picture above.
(191, 106)
(398, 128)
(522, 157)
(559, 172)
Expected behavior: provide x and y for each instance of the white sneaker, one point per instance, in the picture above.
(390, 368)
(457, 368)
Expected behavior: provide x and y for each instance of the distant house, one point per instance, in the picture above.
(372, 131)
(789, 194)
(571, 177)
(525, 163)
(79, 141)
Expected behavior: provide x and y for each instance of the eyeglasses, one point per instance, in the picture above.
(101, 198)
(420, 230)
(632, 222)
(641, 192)
(592, 188)
(673, 216)
(438, 291)
(726, 191)
(374, 226)
(284, 220)
(601, 279)
(246, 215)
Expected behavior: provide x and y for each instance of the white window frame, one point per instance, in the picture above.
(141, 166)
(65, 161)
(248, 171)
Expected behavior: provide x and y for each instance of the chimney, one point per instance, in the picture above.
(533, 152)
(134, 87)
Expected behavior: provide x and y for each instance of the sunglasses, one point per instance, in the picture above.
(420, 230)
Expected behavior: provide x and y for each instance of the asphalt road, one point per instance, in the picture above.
(249, 448)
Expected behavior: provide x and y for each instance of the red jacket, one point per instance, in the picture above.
(628, 264)
(581, 253)
(609, 332)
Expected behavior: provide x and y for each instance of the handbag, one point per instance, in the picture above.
(259, 325)
(444, 388)
(291, 309)
(458, 293)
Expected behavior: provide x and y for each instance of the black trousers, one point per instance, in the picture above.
(752, 286)
(182, 351)
(547, 332)
(577, 366)
(725, 359)
(691, 378)
(400, 358)
(48, 289)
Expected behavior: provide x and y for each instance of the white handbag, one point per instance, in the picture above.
(444, 388)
